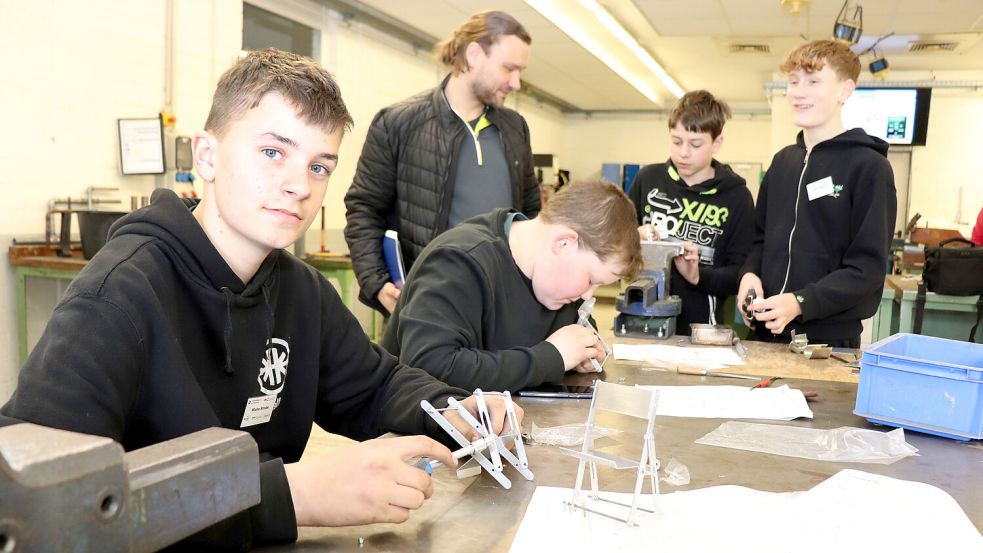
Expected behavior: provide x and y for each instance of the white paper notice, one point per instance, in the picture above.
(707, 358)
(851, 511)
(731, 402)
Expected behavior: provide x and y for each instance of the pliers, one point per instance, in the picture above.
(766, 382)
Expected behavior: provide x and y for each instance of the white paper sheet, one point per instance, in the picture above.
(706, 358)
(851, 511)
(731, 402)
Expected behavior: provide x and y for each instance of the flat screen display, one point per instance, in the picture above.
(898, 115)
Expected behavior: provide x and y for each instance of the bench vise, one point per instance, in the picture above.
(65, 491)
(646, 309)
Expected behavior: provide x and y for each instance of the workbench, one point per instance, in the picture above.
(945, 316)
(476, 514)
(40, 261)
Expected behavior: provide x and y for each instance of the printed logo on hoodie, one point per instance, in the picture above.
(692, 220)
(273, 368)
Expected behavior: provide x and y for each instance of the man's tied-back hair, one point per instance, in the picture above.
(304, 84)
(484, 28)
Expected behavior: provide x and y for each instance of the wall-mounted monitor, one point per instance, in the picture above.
(898, 115)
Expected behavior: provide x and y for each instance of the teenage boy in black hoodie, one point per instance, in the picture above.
(825, 212)
(695, 198)
(192, 316)
(492, 303)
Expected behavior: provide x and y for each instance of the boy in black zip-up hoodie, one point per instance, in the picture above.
(825, 212)
(192, 316)
(695, 198)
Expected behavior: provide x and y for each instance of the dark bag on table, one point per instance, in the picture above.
(953, 271)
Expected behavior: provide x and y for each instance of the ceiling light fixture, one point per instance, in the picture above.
(564, 21)
(795, 7)
(615, 28)
(849, 24)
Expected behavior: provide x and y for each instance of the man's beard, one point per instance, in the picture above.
(486, 94)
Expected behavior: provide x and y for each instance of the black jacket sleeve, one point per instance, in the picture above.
(722, 280)
(363, 391)
(531, 199)
(440, 329)
(861, 271)
(369, 202)
(636, 191)
(755, 254)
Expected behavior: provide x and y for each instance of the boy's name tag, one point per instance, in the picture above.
(820, 188)
(258, 410)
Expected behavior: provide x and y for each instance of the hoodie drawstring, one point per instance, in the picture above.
(269, 314)
(227, 333)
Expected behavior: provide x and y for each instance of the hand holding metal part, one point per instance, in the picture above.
(583, 319)
(489, 449)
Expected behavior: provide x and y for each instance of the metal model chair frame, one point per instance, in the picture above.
(629, 401)
(491, 460)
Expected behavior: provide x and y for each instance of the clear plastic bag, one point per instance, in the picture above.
(566, 435)
(676, 473)
(845, 444)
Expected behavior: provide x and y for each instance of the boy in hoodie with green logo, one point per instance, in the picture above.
(696, 199)
(825, 212)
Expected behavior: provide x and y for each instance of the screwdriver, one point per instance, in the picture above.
(470, 449)
(765, 383)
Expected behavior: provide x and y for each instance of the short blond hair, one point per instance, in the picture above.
(603, 218)
(307, 86)
(813, 56)
(485, 28)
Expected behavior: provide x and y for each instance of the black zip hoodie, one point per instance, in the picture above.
(157, 338)
(830, 251)
(716, 215)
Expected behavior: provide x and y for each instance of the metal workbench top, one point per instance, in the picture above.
(476, 514)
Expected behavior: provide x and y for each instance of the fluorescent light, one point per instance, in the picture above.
(568, 25)
(615, 28)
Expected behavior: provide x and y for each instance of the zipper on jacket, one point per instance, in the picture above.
(482, 124)
(795, 220)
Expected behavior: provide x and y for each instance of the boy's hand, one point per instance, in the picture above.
(366, 483)
(388, 296)
(496, 410)
(778, 311)
(577, 345)
(648, 232)
(586, 366)
(749, 281)
(688, 264)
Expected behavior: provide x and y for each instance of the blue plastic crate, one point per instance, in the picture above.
(923, 383)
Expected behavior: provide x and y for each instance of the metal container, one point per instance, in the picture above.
(711, 335)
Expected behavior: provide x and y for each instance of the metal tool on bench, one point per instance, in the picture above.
(583, 319)
(490, 448)
(64, 491)
(647, 309)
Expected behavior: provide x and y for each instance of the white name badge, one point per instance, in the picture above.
(820, 188)
(258, 410)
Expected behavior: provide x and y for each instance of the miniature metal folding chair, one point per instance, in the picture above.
(633, 402)
(497, 446)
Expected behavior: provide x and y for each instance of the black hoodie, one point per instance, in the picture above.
(157, 338)
(830, 251)
(716, 215)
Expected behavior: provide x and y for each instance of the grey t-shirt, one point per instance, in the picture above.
(480, 185)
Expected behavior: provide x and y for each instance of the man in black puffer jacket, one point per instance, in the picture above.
(443, 156)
